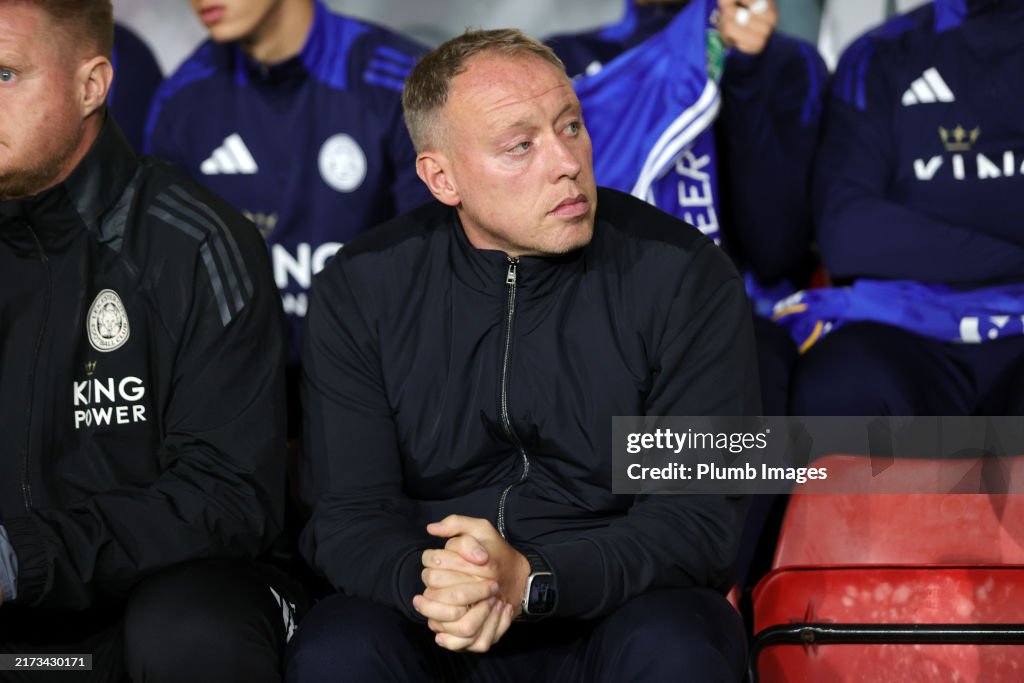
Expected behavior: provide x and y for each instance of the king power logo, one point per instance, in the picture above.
(299, 267)
(110, 401)
(962, 164)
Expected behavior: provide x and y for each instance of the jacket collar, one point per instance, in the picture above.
(311, 58)
(992, 27)
(486, 270)
(80, 202)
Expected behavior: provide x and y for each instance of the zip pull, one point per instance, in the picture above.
(510, 279)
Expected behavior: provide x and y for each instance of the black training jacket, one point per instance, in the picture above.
(141, 380)
(444, 379)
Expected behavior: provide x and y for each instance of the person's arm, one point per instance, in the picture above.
(360, 536)
(217, 489)
(861, 231)
(8, 569)
(767, 132)
(138, 77)
(170, 114)
(704, 364)
(161, 135)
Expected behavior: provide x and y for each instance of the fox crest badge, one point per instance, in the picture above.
(107, 322)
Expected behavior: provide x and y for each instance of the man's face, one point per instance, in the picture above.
(520, 158)
(233, 20)
(41, 123)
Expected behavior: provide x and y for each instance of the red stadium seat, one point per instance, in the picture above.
(890, 587)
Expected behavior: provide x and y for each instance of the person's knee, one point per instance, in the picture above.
(203, 622)
(667, 632)
(847, 373)
(776, 357)
(346, 638)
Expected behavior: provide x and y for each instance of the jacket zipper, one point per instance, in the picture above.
(506, 421)
(26, 485)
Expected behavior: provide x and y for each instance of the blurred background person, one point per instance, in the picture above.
(293, 114)
(917, 193)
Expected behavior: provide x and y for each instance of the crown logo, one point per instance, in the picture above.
(265, 222)
(90, 367)
(959, 139)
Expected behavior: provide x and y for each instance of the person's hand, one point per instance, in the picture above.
(470, 539)
(462, 610)
(457, 574)
(482, 625)
(747, 24)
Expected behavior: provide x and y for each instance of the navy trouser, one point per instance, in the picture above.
(201, 621)
(667, 635)
(874, 369)
(776, 357)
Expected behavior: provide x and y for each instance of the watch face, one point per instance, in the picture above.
(541, 594)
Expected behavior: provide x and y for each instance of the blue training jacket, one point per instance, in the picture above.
(313, 150)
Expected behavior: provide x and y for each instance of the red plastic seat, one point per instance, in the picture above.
(890, 568)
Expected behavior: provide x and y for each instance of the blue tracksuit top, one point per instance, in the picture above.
(136, 78)
(313, 149)
(764, 136)
(921, 167)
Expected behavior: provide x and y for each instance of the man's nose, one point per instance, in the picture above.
(564, 159)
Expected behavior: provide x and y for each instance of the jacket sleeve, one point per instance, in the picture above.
(160, 139)
(862, 231)
(219, 489)
(361, 535)
(164, 134)
(767, 132)
(704, 364)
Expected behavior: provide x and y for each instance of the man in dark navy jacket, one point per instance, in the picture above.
(141, 378)
(461, 370)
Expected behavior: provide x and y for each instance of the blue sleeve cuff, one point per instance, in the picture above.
(8, 568)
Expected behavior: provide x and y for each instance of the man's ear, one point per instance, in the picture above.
(95, 77)
(434, 169)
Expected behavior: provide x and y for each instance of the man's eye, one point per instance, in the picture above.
(573, 128)
(6, 75)
(521, 148)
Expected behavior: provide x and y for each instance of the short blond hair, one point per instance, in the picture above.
(427, 87)
(87, 24)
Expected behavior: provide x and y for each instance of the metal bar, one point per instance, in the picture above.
(874, 634)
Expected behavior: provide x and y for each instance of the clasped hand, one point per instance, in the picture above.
(473, 586)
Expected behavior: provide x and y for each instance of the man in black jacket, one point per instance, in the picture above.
(141, 370)
(462, 367)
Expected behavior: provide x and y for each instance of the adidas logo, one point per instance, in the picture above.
(927, 89)
(230, 158)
